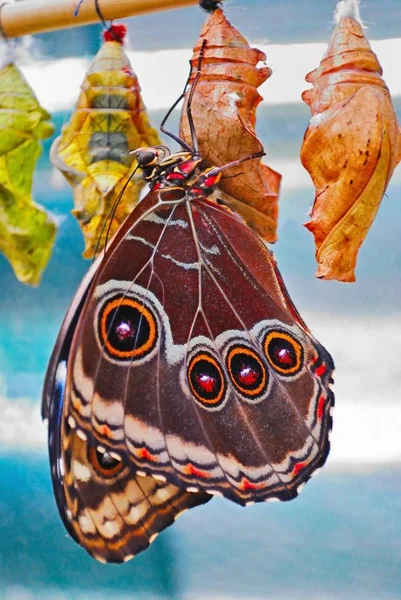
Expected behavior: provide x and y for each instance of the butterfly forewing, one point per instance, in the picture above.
(191, 362)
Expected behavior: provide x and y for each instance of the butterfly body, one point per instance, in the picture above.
(188, 368)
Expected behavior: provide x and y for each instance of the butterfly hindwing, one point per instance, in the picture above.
(116, 513)
(109, 508)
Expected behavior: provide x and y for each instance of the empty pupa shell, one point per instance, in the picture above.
(224, 111)
(351, 146)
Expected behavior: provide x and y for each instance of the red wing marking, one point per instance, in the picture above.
(191, 470)
(320, 407)
(146, 455)
(247, 485)
(298, 467)
(104, 430)
(320, 370)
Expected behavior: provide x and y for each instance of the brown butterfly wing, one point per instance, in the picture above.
(191, 359)
(114, 517)
(114, 513)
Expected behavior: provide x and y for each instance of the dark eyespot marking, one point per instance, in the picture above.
(206, 380)
(127, 329)
(247, 371)
(104, 463)
(284, 352)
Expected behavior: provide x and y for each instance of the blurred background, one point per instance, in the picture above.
(341, 539)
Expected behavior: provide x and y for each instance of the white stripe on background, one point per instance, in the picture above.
(367, 418)
(364, 435)
(162, 74)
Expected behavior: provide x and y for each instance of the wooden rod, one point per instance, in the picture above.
(36, 16)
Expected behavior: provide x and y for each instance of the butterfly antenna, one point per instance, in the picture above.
(194, 139)
(174, 137)
(194, 149)
(110, 216)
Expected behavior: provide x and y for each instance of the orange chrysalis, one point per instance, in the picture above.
(351, 147)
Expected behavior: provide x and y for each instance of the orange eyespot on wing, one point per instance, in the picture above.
(206, 380)
(284, 352)
(350, 149)
(127, 329)
(247, 371)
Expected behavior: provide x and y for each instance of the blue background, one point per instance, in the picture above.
(342, 538)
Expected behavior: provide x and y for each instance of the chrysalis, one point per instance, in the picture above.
(351, 147)
(93, 151)
(27, 232)
(224, 111)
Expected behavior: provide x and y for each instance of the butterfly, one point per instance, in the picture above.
(182, 370)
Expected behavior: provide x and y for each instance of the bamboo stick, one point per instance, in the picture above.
(36, 16)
